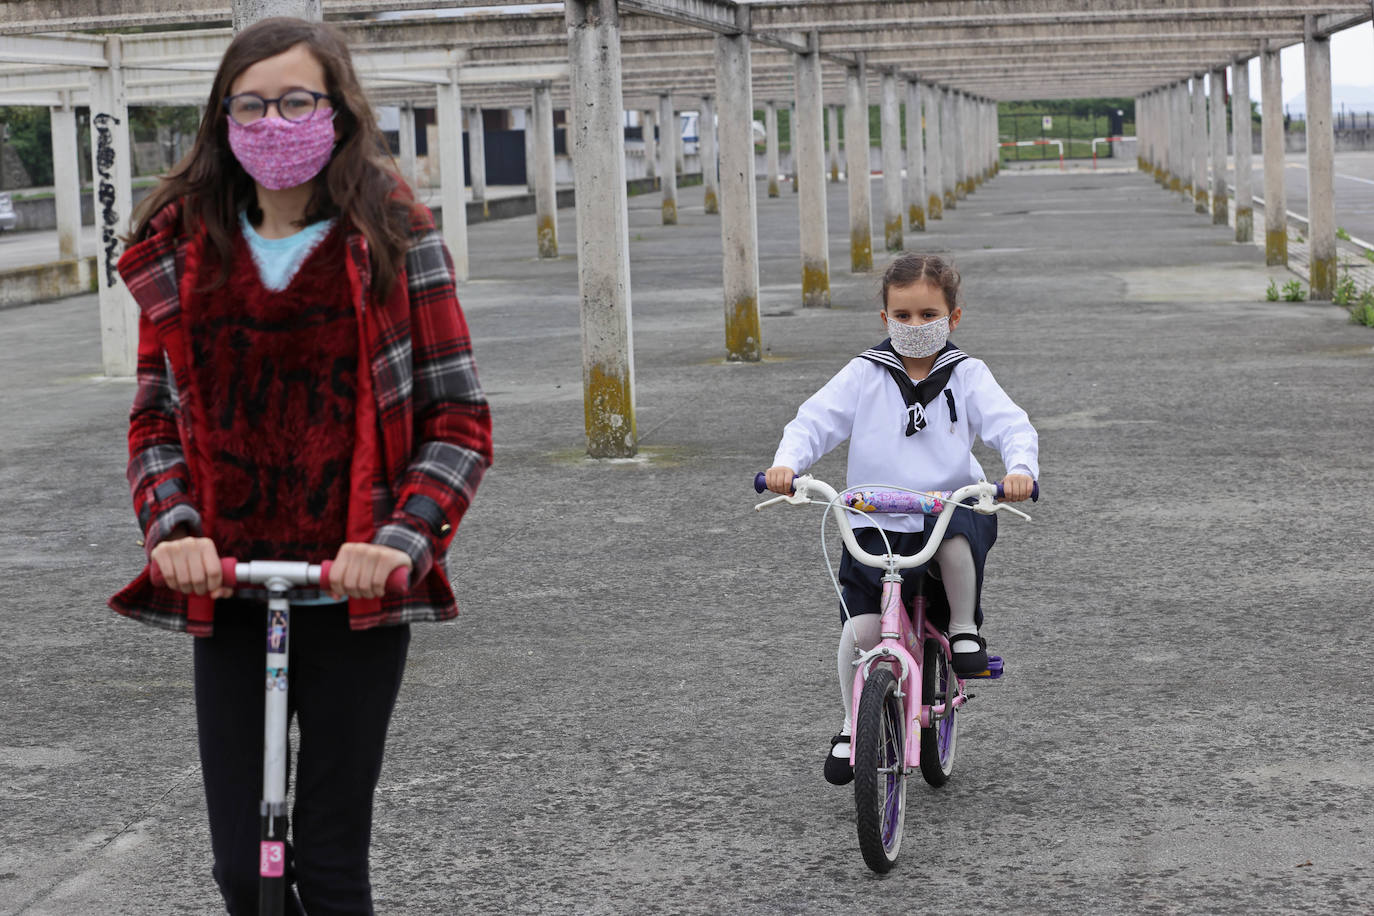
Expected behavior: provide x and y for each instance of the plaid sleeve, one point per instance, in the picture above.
(452, 420)
(157, 470)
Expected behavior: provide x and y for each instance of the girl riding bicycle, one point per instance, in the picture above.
(306, 391)
(910, 408)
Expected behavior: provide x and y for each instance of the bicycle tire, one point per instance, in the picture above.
(880, 770)
(938, 740)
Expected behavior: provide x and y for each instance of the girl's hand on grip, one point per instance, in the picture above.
(190, 565)
(779, 479)
(1016, 487)
(361, 570)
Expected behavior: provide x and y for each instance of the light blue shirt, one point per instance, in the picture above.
(279, 259)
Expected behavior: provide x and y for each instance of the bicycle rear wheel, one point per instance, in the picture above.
(880, 770)
(938, 685)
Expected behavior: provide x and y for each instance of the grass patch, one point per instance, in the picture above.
(1345, 292)
(1293, 291)
(1342, 234)
(1362, 311)
(1272, 292)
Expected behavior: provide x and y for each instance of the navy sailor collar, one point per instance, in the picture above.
(916, 395)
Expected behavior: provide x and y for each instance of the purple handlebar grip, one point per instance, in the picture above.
(761, 482)
(1035, 491)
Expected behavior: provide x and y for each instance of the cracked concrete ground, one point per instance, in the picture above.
(630, 715)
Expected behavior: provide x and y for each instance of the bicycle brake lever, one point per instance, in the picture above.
(1003, 507)
(794, 500)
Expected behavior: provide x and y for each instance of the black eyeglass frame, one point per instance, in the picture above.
(229, 100)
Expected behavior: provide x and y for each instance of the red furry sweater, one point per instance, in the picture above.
(277, 377)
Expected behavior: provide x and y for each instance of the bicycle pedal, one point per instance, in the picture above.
(992, 672)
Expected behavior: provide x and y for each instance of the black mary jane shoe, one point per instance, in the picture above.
(838, 772)
(967, 664)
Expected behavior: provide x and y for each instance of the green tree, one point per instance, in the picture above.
(30, 135)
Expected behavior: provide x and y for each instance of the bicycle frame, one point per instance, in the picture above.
(900, 649)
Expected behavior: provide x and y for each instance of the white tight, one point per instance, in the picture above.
(862, 631)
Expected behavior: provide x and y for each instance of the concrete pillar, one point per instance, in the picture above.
(1220, 199)
(449, 156)
(1180, 167)
(246, 12)
(650, 122)
(669, 141)
(1241, 131)
(738, 197)
(597, 141)
(66, 177)
(808, 152)
(856, 159)
(1271, 129)
(406, 135)
(915, 160)
(477, 153)
(949, 146)
(891, 139)
(529, 149)
(545, 192)
(792, 145)
(964, 149)
(833, 114)
(1199, 145)
(706, 150)
(111, 173)
(935, 157)
(1321, 165)
(770, 129)
(679, 150)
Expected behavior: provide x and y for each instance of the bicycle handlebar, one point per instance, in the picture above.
(982, 491)
(295, 575)
(760, 484)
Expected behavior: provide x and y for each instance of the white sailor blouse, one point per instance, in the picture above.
(917, 435)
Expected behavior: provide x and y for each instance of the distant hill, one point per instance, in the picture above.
(1354, 98)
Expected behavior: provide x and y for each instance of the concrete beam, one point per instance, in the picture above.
(891, 137)
(808, 152)
(1220, 203)
(915, 160)
(112, 172)
(1241, 130)
(739, 203)
(856, 158)
(1321, 168)
(1271, 128)
(668, 142)
(545, 191)
(247, 12)
(597, 142)
(449, 115)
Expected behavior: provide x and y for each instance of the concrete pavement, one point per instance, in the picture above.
(630, 715)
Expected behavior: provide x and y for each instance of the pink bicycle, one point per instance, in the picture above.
(909, 695)
(281, 581)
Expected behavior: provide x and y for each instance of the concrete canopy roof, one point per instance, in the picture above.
(998, 49)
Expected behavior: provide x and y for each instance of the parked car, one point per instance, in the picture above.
(8, 219)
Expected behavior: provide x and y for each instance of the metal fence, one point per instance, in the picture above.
(1075, 131)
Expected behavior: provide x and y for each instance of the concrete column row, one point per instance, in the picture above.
(1178, 145)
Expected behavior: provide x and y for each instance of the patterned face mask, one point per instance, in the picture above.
(283, 154)
(918, 340)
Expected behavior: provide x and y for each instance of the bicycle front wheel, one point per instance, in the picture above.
(938, 686)
(880, 770)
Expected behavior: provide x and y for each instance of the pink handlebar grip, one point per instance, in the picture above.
(398, 583)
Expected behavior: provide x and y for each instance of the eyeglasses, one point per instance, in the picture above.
(296, 105)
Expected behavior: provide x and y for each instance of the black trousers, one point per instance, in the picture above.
(343, 687)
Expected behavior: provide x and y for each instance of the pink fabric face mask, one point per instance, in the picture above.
(283, 154)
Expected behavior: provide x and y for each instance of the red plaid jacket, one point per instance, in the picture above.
(423, 428)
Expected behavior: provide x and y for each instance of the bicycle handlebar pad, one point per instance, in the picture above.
(396, 584)
(760, 484)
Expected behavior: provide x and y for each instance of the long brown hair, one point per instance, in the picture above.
(359, 183)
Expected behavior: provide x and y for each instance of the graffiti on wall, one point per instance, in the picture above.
(105, 192)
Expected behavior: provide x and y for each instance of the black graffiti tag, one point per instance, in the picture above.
(105, 192)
